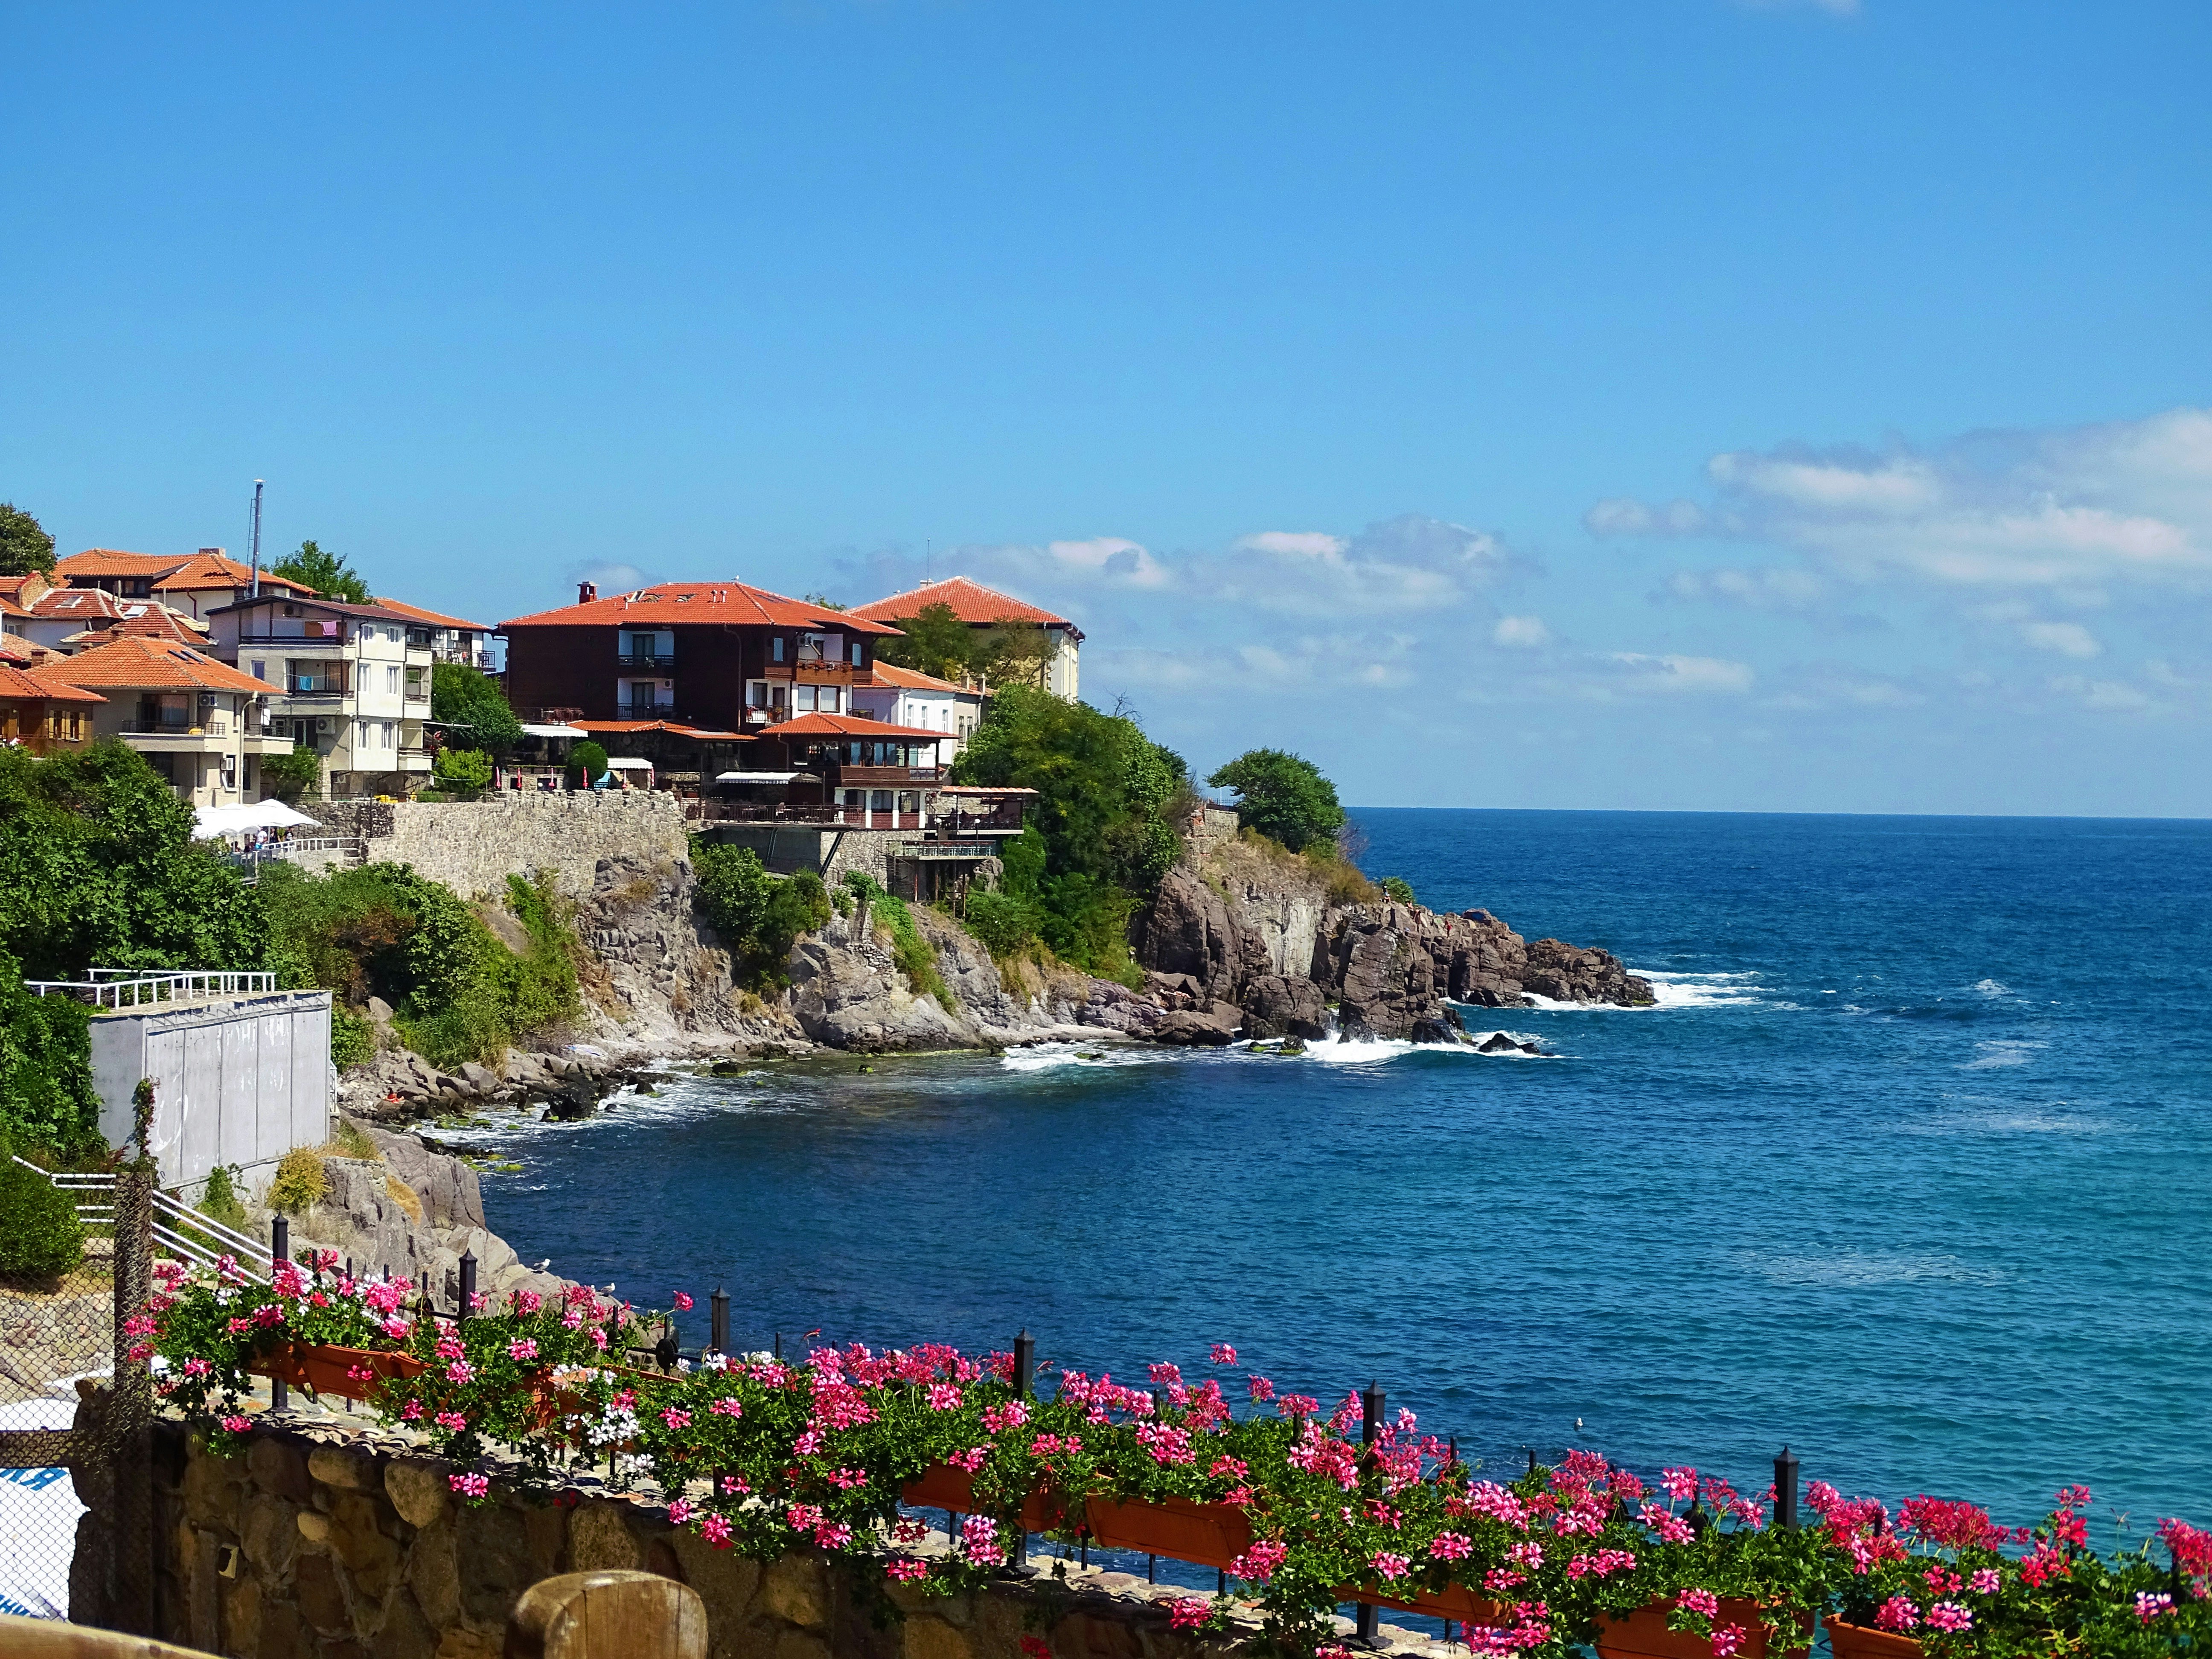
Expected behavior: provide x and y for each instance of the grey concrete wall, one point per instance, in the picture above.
(473, 846)
(785, 848)
(237, 1082)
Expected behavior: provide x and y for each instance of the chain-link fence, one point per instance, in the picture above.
(72, 1422)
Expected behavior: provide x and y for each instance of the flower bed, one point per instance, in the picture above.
(762, 1456)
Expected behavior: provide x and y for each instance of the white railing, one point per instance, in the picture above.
(121, 987)
(183, 1233)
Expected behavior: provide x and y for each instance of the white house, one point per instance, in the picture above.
(902, 697)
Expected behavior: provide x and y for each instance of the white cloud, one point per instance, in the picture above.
(1295, 544)
(2067, 639)
(609, 577)
(1520, 631)
(1113, 558)
(1403, 567)
(2108, 695)
(2068, 509)
(1673, 673)
(1768, 589)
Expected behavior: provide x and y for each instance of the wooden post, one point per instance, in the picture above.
(610, 1614)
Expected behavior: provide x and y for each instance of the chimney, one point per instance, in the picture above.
(206, 551)
(587, 592)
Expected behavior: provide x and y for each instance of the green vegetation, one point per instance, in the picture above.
(1006, 653)
(40, 1237)
(460, 696)
(219, 1201)
(330, 576)
(467, 770)
(1102, 832)
(759, 916)
(916, 955)
(353, 1038)
(458, 993)
(24, 544)
(287, 776)
(299, 1183)
(1283, 797)
(47, 1101)
(1397, 888)
(588, 758)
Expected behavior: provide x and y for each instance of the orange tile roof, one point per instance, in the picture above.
(890, 673)
(188, 572)
(136, 663)
(13, 649)
(624, 728)
(667, 603)
(420, 615)
(11, 587)
(85, 602)
(848, 726)
(971, 602)
(16, 682)
(158, 622)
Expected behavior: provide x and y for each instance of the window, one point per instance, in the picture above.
(856, 653)
(775, 649)
(230, 771)
(392, 677)
(387, 734)
(260, 670)
(803, 699)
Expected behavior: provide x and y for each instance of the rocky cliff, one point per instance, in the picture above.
(1244, 928)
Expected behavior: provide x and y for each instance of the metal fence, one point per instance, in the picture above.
(114, 987)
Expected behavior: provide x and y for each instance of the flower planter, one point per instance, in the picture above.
(1210, 1535)
(325, 1369)
(941, 1486)
(1454, 1601)
(1643, 1634)
(1864, 1642)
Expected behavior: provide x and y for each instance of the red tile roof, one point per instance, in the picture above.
(848, 726)
(158, 622)
(622, 728)
(16, 682)
(136, 663)
(11, 587)
(83, 603)
(667, 603)
(13, 649)
(971, 602)
(193, 571)
(431, 617)
(890, 673)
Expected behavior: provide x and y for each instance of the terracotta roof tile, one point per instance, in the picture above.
(20, 682)
(622, 728)
(890, 673)
(971, 602)
(848, 726)
(431, 617)
(665, 603)
(190, 572)
(136, 663)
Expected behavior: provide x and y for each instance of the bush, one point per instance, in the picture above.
(1283, 797)
(291, 776)
(40, 1237)
(461, 696)
(1002, 924)
(353, 1039)
(759, 916)
(46, 1098)
(219, 1201)
(916, 957)
(588, 758)
(1397, 888)
(352, 1142)
(462, 768)
(299, 1181)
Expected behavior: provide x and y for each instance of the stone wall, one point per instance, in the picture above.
(473, 846)
(343, 1543)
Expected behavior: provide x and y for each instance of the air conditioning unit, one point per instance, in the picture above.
(322, 726)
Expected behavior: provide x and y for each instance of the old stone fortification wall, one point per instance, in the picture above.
(473, 846)
(343, 1543)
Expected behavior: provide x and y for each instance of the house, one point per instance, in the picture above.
(901, 696)
(195, 584)
(198, 722)
(878, 773)
(39, 712)
(68, 620)
(448, 639)
(713, 656)
(983, 607)
(348, 681)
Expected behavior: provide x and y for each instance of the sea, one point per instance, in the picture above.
(1910, 1170)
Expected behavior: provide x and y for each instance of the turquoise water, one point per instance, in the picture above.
(1910, 1170)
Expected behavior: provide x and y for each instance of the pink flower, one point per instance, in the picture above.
(679, 1511)
(1985, 1581)
(412, 1411)
(1949, 1615)
(979, 1540)
(460, 1371)
(1035, 1647)
(970, 1459)
(236, 1425)
(197, 1368)
(528, 1302)
(1678, 1484)
(1388, 1565)
(832, 1535)
(1699, 1600)
(1224, 1354)
(599, 1337)
(1897, 1613)
(727, 1408)
(682, 1303)
(523, 1347)
(1262, 1389)
(1529, 1555)
(715, 1529)
(803, 1518)
(944, 1396)
(847, 1479)
(1726, 1640)
(2148, 1605)
(676, 1419)
(469, 1486)
(453, 1420)
(1261, 1559)
(1011, 1415)
(574, 1319)
(905, 1570)
(1188, 1612)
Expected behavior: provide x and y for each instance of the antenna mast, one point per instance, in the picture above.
(256, 593)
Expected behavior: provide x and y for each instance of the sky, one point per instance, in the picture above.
(1687, 405)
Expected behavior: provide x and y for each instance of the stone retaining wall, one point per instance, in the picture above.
(328, 1540)
(473, 846)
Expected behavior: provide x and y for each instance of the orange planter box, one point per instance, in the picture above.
(941, 1486)
(1864, 1642)
(1643, 1634)
(325, 1368)
(1210, 1535)
(1454, 1601)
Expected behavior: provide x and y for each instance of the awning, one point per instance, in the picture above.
(762, 777)
(629, 764)
(209, 821)
(554, 731)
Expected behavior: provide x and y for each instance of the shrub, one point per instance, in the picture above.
(219, 1201)
(462, 769)
(916, 957)
(588, 758)
(287, 776)
(299, 1181)
(353, 1039)
(1398, 888)
(40, 1237)
(460, 696)
(1002, 924)
(1283, 797)
(46, 1098)
(759, 916)
(350, 1141)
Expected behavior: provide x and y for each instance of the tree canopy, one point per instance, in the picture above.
(330, 576)
(1105, 826)
(934, 640)
(24, 544)
(1283, 796)
(460, 696)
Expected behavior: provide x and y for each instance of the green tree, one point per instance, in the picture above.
(24, 544)
(330, 576)
(462, 768)
(291, 775)
(933, 641)
(759, 916)
(589, 759)
(1397, 888)
(1283, 797)
(461, 696)
(46, 1098)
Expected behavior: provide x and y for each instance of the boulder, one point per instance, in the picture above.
(1213, 1027)
(1567, 973)
(1276, 1005)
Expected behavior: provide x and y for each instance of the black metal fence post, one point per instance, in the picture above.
(468, 1284)
(1024, 1380)
(718, 1319)
(1371, 1408)
(280, 1251)
(1785, 1489)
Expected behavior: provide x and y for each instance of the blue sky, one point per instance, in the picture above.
(1670, 403)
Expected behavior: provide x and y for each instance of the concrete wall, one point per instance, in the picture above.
(473, 846)
(830, 852)
(239, 1081)
(349, 1543)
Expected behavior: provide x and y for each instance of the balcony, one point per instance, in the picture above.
(295, 641)
(819, 673)
(646, 659)
(263, 743)
(889, 777)
(174, 739)
(314, 689)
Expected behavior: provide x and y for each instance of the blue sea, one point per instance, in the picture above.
(1910, 1169)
